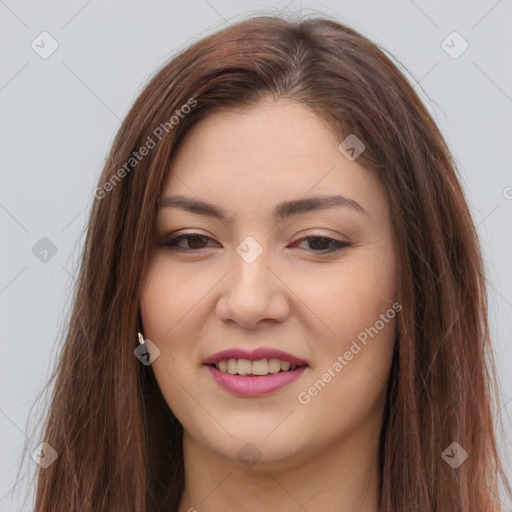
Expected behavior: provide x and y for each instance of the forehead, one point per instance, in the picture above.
(270, 135)
(272, 152)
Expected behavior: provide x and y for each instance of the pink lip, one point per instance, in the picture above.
(257, 385)
(254, 355)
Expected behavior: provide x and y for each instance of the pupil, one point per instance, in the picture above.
(196, 238)
(323, 242)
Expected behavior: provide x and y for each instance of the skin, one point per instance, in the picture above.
(315, 456)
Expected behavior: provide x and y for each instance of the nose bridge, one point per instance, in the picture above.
(251, 273)
(252, 292)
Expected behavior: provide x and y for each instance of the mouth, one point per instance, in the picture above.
(259, 368)
(254, 373)
(265, 357)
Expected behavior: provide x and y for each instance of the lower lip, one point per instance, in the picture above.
(255, 386)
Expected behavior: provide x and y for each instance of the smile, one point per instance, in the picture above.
(256, 372)
(251, 385)
(254, 368)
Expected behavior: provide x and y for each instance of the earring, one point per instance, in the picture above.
(141, 338)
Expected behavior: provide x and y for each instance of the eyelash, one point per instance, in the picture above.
(171, 243)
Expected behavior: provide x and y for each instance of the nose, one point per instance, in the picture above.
(253, 294)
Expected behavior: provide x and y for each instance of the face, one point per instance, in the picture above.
(310, 284)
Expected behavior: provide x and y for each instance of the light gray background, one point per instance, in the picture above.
(59, 115)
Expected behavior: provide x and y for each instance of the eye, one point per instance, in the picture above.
(324, 245)
(196, 242)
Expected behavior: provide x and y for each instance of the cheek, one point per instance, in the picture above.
(361, 308)
(348, 384)
(362, 289)
(164, 322)
(165, 298)
(156, 306)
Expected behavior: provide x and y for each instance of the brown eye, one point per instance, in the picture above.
(194, 241)
(322, 244)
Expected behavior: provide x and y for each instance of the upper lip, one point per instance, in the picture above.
(255, 355)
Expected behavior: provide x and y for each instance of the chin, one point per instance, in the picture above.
(251, 448)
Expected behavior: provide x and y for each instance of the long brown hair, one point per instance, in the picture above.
(118, 443)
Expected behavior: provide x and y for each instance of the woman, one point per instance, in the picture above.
(281, 304)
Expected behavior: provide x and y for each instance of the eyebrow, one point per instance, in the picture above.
(281, 211)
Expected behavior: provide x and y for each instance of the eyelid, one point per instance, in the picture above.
(196, 232)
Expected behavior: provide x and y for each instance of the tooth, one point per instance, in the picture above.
(232, 366)
(244, 366)
(285, 365)
(274, 365)
(260, 367)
